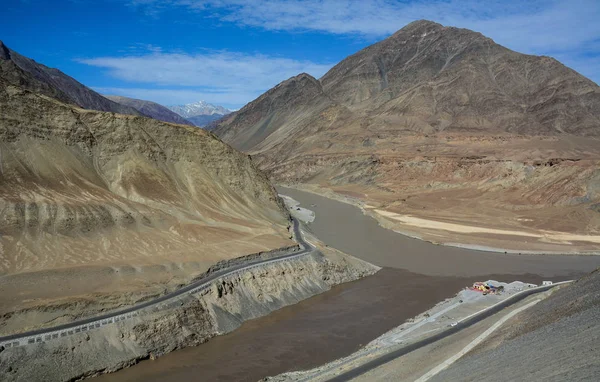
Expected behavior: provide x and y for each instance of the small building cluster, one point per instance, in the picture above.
(486, 288)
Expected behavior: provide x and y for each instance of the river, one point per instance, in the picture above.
(416, 275)
(345, 227)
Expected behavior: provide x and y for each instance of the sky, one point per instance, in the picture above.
(228, 52)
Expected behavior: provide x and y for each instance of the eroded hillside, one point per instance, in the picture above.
(96, 203)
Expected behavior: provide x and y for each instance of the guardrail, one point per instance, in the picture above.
(85, 325)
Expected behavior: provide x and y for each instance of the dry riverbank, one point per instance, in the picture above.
(485, 236)
(344, 227)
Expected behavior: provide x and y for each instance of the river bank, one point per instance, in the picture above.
(443, 316)
(340, 321)
(188, 320)
(489, 237)
(344, 226)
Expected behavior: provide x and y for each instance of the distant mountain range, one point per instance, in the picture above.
(151, 109)
(28, 74)
(200, 113)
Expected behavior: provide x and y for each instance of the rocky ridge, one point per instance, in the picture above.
(26, 73)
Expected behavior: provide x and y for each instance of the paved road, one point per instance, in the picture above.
(41, 335)
(350, 374)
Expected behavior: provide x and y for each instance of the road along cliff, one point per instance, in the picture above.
(215, 305)
(103, 210)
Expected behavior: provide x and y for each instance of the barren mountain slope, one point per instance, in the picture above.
(275, 116)
(102, 208)
(28, 74)
(434, 78)
(150, 109)
(443, 124)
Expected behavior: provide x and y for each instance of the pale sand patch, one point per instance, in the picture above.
(453, 227)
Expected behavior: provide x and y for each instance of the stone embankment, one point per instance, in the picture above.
(189, 320)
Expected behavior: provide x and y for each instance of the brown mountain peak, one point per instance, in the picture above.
(421, 24)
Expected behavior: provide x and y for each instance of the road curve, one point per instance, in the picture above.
(42, 335)
(350, 374)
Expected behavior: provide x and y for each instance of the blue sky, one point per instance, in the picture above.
(228, 52)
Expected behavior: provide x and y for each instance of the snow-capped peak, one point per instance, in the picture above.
(199, 108)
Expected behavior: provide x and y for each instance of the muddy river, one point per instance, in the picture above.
(416, 275)
(345, 227)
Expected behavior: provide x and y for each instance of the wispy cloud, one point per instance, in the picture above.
(182, 96)
(226, 77)
(568, 31)
(550, 27)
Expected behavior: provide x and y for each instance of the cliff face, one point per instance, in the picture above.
(190, 321)
(128, 203)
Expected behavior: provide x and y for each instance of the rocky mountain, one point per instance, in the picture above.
(100, 209)
(200, 113)
(28, 74)
(437, 113)
(427, 78)
(150, 109)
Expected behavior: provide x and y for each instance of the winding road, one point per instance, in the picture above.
(46, 334)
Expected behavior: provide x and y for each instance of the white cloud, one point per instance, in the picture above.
(182, 96)
(568, 31)
(532, 24)
(230, 78)
(550, 27)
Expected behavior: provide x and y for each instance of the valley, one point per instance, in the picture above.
(440, 124)
(416, 275)
(427, 208)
